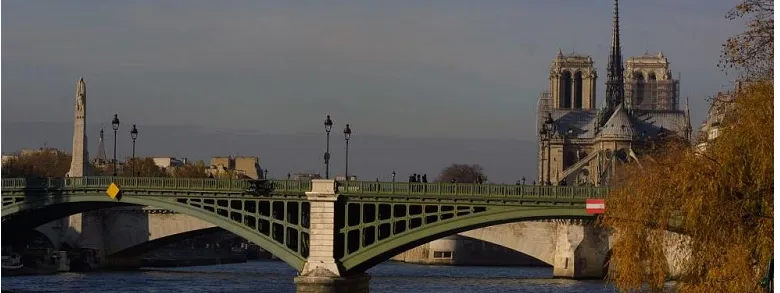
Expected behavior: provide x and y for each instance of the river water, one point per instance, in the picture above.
(276, 276)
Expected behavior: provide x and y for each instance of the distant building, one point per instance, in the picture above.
(240, 167)
(168, 162)
(305, 176)
(721, 106)
(342, 178)
(7, 157)
(27, 152)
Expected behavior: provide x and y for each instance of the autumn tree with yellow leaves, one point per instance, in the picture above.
(720, 198)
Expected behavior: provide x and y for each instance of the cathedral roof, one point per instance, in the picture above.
(582, 124)
(618, 126)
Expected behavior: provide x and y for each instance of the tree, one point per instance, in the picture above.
(42, 163)
(143, 167)
(197, 170)
(100, 170)
(724, 196)
(752, 52)
(462, 173)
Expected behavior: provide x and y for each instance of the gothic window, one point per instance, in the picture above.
(638, 94)
(565, 90)
(578, 90)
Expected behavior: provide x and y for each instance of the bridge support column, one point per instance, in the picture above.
(321, 273)
(580, 251)
(322, 229)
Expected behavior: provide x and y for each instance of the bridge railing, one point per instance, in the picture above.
(470, 189)
(150, 183)
(300, 186)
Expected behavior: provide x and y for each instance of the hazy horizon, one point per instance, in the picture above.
(370, 156)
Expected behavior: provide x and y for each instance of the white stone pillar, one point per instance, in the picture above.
(322, 229)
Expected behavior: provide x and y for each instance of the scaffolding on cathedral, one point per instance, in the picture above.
(653, 94)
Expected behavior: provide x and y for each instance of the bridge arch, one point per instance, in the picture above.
(386, 249)
(65, 205)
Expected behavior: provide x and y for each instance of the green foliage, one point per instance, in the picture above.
(462, 173)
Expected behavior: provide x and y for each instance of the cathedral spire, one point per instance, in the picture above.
(101, 157)
(615, 90)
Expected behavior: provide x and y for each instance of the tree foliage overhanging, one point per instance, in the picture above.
(724, 195)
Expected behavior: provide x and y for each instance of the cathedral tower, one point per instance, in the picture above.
(572, 82)
(649, 83)
(79, 164)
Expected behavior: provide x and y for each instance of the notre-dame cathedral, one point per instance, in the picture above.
(580, 144)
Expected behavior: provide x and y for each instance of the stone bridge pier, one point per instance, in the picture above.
(321, 273)
(581, 250)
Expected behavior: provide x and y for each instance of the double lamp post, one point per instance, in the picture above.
(347, 135)
(133, 136)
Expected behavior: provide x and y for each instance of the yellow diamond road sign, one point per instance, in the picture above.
(113, 190)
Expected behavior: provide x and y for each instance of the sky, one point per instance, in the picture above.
(469, 70)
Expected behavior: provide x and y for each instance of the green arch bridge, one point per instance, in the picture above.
(319, 227)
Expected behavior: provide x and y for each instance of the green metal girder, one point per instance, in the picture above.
(39, 200)
(385, 248)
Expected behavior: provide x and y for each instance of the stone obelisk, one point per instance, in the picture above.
(85, 229)
(79, 164)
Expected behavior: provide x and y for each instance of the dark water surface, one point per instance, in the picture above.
(274, 276)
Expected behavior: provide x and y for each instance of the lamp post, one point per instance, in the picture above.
(546, 133)
(115, 125)
(347, 136)
(265, 174)
(134, 135)
(328, 125)
(393, 185)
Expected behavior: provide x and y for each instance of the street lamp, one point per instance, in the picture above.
(393, 176)
(265, 174)
(546, 133)
(115, 125)
(328, 125)
(347, 136)
(134, 135)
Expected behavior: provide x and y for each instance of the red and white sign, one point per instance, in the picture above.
(595, 206)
